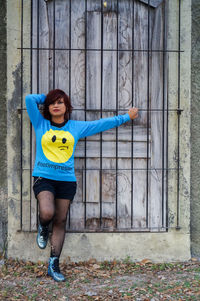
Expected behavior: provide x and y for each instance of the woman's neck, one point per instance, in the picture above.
(58, 119)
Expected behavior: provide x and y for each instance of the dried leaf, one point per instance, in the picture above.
(96, 266)
(145, 261)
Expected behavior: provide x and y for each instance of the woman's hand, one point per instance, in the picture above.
(133, 113)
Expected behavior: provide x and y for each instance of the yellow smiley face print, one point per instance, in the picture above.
(57, 145)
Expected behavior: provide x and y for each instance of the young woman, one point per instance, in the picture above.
(54, 177)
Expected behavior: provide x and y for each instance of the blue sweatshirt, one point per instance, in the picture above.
(55, 146)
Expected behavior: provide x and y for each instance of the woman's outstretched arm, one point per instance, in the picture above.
(32, 101)
(88, 128)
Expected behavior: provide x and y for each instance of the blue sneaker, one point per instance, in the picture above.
(54, 271)
(42, 236)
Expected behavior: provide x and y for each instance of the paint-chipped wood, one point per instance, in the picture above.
(104, 78)
(153, 3)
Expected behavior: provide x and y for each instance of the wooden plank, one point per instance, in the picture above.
(155, 204)
(50, 25)
(152, 3)
(80, 188)
(123, 191)
(44, 39)
(93, 77)
(124, 199)
(76, 216)
(92, 217)
(139, 192)
(34, 44)
(140, 61)
(77, 207)
(62, 41)
(78, 57)
(125, 26)
(109, 91)
(141, 39)
(34, 90)
(108, 215)
(93, 186)
(109, 149)
(108, 186)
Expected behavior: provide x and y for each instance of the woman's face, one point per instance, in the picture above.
(58, 108)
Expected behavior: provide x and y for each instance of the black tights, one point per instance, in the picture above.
(56, 211)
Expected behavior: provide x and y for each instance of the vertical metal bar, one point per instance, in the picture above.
(85, 191)
(21, 163)
(38, 69)
(163, 118)
(117, 106)
(38, 45)
(54, 41)
(178, 146)
(132, 133)
(70, 19)
(148, 73)
(101, 100)
(31, 71)
(167, 146)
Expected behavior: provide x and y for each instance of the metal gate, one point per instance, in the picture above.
(107, 56)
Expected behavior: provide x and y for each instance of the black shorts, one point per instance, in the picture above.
(60, 189)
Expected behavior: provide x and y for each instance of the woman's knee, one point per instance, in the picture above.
(59, 221)
(47, 214)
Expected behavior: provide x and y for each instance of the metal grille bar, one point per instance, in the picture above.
(21, 163)
(85, 159)
(105, 50)
(163, 120)
(31, 89)
(179, 100)
(101, 104)
(132, 102)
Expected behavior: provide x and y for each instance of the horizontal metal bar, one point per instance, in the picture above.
(120, 110)
(142, 169)
(125, 110)
(100, 50)
(106, 230)
(113, 169)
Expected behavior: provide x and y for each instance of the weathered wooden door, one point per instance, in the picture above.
(109, 56)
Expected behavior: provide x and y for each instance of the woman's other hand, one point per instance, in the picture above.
(133, 113)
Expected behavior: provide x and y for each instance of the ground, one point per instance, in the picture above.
(116, 280)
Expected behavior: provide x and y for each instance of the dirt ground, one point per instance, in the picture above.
(116, 280)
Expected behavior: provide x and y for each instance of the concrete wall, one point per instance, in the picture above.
(195, 131)
(169, 246)
(3, 123)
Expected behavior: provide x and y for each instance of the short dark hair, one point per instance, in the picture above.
(51, 97)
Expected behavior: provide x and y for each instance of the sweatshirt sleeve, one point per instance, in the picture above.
(88, 128)
(32, 102)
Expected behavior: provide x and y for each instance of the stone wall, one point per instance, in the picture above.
(195, 131)
(3, 124)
